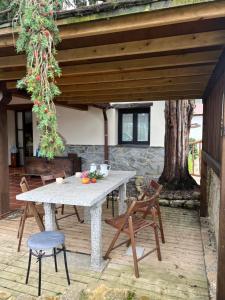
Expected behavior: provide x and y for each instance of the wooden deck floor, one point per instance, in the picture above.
(181, 274)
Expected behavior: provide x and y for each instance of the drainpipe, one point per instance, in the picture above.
(106, 138)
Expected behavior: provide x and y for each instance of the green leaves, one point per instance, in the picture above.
(38, 38)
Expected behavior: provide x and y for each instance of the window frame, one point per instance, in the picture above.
(134, 112)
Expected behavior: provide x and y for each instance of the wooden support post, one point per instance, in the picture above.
(106, 140)
(203, 199)
(5, 98)
(220, 295)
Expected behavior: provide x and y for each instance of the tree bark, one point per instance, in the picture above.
(178, 115)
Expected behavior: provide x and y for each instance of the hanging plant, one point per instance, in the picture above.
(38, 38)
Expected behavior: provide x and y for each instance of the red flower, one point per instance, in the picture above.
(37, 102)
(38, 77)
(47, 33)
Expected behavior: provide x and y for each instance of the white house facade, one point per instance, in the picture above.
(83, 133)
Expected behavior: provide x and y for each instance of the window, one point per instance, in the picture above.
(134, 126)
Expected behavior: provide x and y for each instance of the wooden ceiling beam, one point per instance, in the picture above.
(175, 88)
(74, 27)
(145, 83)
(131, 97)
(81, 107)
(126, 76)
(164, 44)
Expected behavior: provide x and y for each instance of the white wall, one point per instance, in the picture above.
(157, 126)
(87, 127)
(11, 132)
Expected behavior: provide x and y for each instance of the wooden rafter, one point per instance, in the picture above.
(140, 90)
(126, 76)
(164, 44)
(154, 82)
(130, 97)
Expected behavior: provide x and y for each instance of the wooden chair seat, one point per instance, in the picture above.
(138, 223)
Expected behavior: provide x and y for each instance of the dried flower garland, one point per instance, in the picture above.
(38, 38)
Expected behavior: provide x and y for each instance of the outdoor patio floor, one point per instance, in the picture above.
(180, 275)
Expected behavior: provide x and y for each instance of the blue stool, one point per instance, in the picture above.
(40, 242)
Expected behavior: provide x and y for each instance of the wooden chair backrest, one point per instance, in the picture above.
(46, 179)
(154, 185)
(61, 174)
(24, 185)
(148, 199)
(29, 206)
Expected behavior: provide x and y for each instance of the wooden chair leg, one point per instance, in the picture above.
(77, 214)
(18, 233)
(37, 217)
(160, 224)
(21, 231)
(106, 256)
(57, 223)
(157, 243)
(133, 245)
(62, 211)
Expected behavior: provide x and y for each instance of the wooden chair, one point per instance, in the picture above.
(153, 190)
(46, 179)
(30, 210)
(130, 224)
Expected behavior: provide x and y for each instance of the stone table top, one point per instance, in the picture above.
(73, 192)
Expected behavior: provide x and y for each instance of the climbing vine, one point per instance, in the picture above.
(38, 38)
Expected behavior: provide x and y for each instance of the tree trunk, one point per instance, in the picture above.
(178, 115)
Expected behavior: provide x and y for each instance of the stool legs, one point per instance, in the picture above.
(39, 275)
(55, 260)
(28, 269)
(66, 267)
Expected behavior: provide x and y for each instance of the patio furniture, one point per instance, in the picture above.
(112, 197)
(30, 210)
(91, 196)
(46, 179)
(38, 165)
(130, 224)
(153, 208)
(39, 243)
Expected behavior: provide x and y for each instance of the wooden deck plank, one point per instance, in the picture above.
(180, 275)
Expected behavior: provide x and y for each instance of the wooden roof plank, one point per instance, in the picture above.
(155, 82)
(149, 46)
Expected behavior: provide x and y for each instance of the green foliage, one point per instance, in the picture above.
(193, 148)
(38, 38)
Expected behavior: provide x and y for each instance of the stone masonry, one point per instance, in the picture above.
(146, 161)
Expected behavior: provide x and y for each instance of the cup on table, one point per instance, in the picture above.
(78, 174)
(59, 180)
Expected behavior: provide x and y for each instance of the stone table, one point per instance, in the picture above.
(92, 196)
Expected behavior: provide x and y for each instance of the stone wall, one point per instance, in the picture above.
(146, 161)
(213, 195)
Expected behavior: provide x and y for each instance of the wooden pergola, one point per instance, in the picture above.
(148, 50)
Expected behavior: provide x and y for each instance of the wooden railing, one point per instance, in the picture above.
(195, 155)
